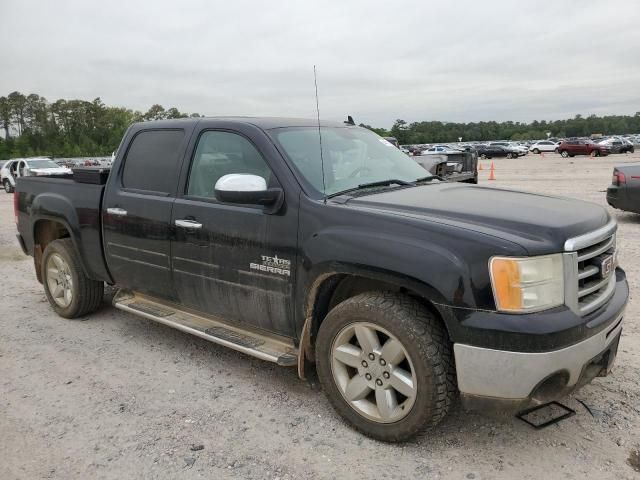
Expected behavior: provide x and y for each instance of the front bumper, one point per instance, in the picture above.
(499, 378)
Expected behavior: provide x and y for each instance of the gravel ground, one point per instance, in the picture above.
(115, 396)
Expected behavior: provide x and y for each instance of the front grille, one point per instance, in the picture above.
(591, 287)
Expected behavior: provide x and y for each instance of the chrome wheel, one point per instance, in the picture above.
(373, 372)
(59, 280)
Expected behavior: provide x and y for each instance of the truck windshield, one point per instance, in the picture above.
(352, 157)
(42, 164)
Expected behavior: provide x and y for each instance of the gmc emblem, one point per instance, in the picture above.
(606, 267)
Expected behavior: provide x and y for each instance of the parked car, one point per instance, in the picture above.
(403, 289)
(440, 149)
(544, 146)
(624, 191)
(24, 167)
(491, 151)
(518, 149)
(393, 141)
(618, 145)
(571, 148)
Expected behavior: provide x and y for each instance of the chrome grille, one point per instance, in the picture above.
(587, 288)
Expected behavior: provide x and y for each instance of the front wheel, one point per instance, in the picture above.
(564, 154)
(69, 291)
(483, 156)
(7, 186)
(385, 364)
(536, 150)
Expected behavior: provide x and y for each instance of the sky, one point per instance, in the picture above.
(458, 61)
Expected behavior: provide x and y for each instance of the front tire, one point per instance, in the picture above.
(7, 186)
(564, 154)
(69, 291)
(385, 364)
(536, 151)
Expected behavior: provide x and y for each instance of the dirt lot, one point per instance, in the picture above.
(115, 396)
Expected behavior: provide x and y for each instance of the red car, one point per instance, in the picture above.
(570, 148)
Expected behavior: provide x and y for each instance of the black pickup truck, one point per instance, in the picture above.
(405, 291)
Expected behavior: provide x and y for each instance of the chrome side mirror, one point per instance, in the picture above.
(247, 189)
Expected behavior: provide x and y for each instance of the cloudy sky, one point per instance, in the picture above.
(378, 61)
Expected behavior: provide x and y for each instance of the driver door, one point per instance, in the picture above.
(233, 261)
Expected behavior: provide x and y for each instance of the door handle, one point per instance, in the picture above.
(190, 224)
(119, 212)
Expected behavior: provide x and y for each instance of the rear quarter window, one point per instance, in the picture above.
(153, 160)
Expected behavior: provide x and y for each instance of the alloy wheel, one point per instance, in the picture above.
(373, 372)
(59, 280)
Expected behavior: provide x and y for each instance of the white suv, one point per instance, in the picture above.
(544, 146)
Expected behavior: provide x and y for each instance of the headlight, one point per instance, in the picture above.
(527, 284)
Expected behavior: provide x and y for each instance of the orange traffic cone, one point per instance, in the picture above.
(491, 173)
(480, 166)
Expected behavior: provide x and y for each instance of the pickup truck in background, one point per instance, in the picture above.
(404, 291)
(624, 191)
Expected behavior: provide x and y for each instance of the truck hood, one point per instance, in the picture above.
(539, 223)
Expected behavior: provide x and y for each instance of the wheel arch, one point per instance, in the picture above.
(330, 288)
(45, 230)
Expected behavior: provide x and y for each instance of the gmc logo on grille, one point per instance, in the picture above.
(606, 266)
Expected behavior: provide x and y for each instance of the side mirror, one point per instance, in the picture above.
(247, 189)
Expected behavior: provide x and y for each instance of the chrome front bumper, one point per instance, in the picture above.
(517, 377)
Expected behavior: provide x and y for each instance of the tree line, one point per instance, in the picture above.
(30, 125)
(447, 132)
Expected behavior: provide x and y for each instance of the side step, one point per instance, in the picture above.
(277, 350)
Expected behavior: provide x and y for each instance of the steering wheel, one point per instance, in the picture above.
(358, 170)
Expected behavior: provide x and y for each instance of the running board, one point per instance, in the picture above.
(259, 345)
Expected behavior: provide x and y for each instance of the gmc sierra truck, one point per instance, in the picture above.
(404, 291)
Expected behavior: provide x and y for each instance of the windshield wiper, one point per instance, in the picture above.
(429, 178)
(380, 183)
(384, 183)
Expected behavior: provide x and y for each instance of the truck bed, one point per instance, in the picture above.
(75, 205)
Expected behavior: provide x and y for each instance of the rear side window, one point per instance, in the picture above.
(152, 161)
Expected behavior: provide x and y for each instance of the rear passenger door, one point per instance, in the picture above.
(233, 261)
(137, 211)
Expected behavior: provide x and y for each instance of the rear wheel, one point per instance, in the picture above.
(595, 153)
(7, 186)
(385, 364)
(564, 154)
(69, 291)
(483, 156)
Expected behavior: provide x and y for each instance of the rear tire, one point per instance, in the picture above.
(69, 291)
(564, 154)
(595, 153)
(483, 156)
(7, 186)
(385, 363)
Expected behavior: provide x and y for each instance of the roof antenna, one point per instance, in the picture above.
(324, 186)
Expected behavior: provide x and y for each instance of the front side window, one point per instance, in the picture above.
(153, 161)
(352, 156)
(219, 154)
